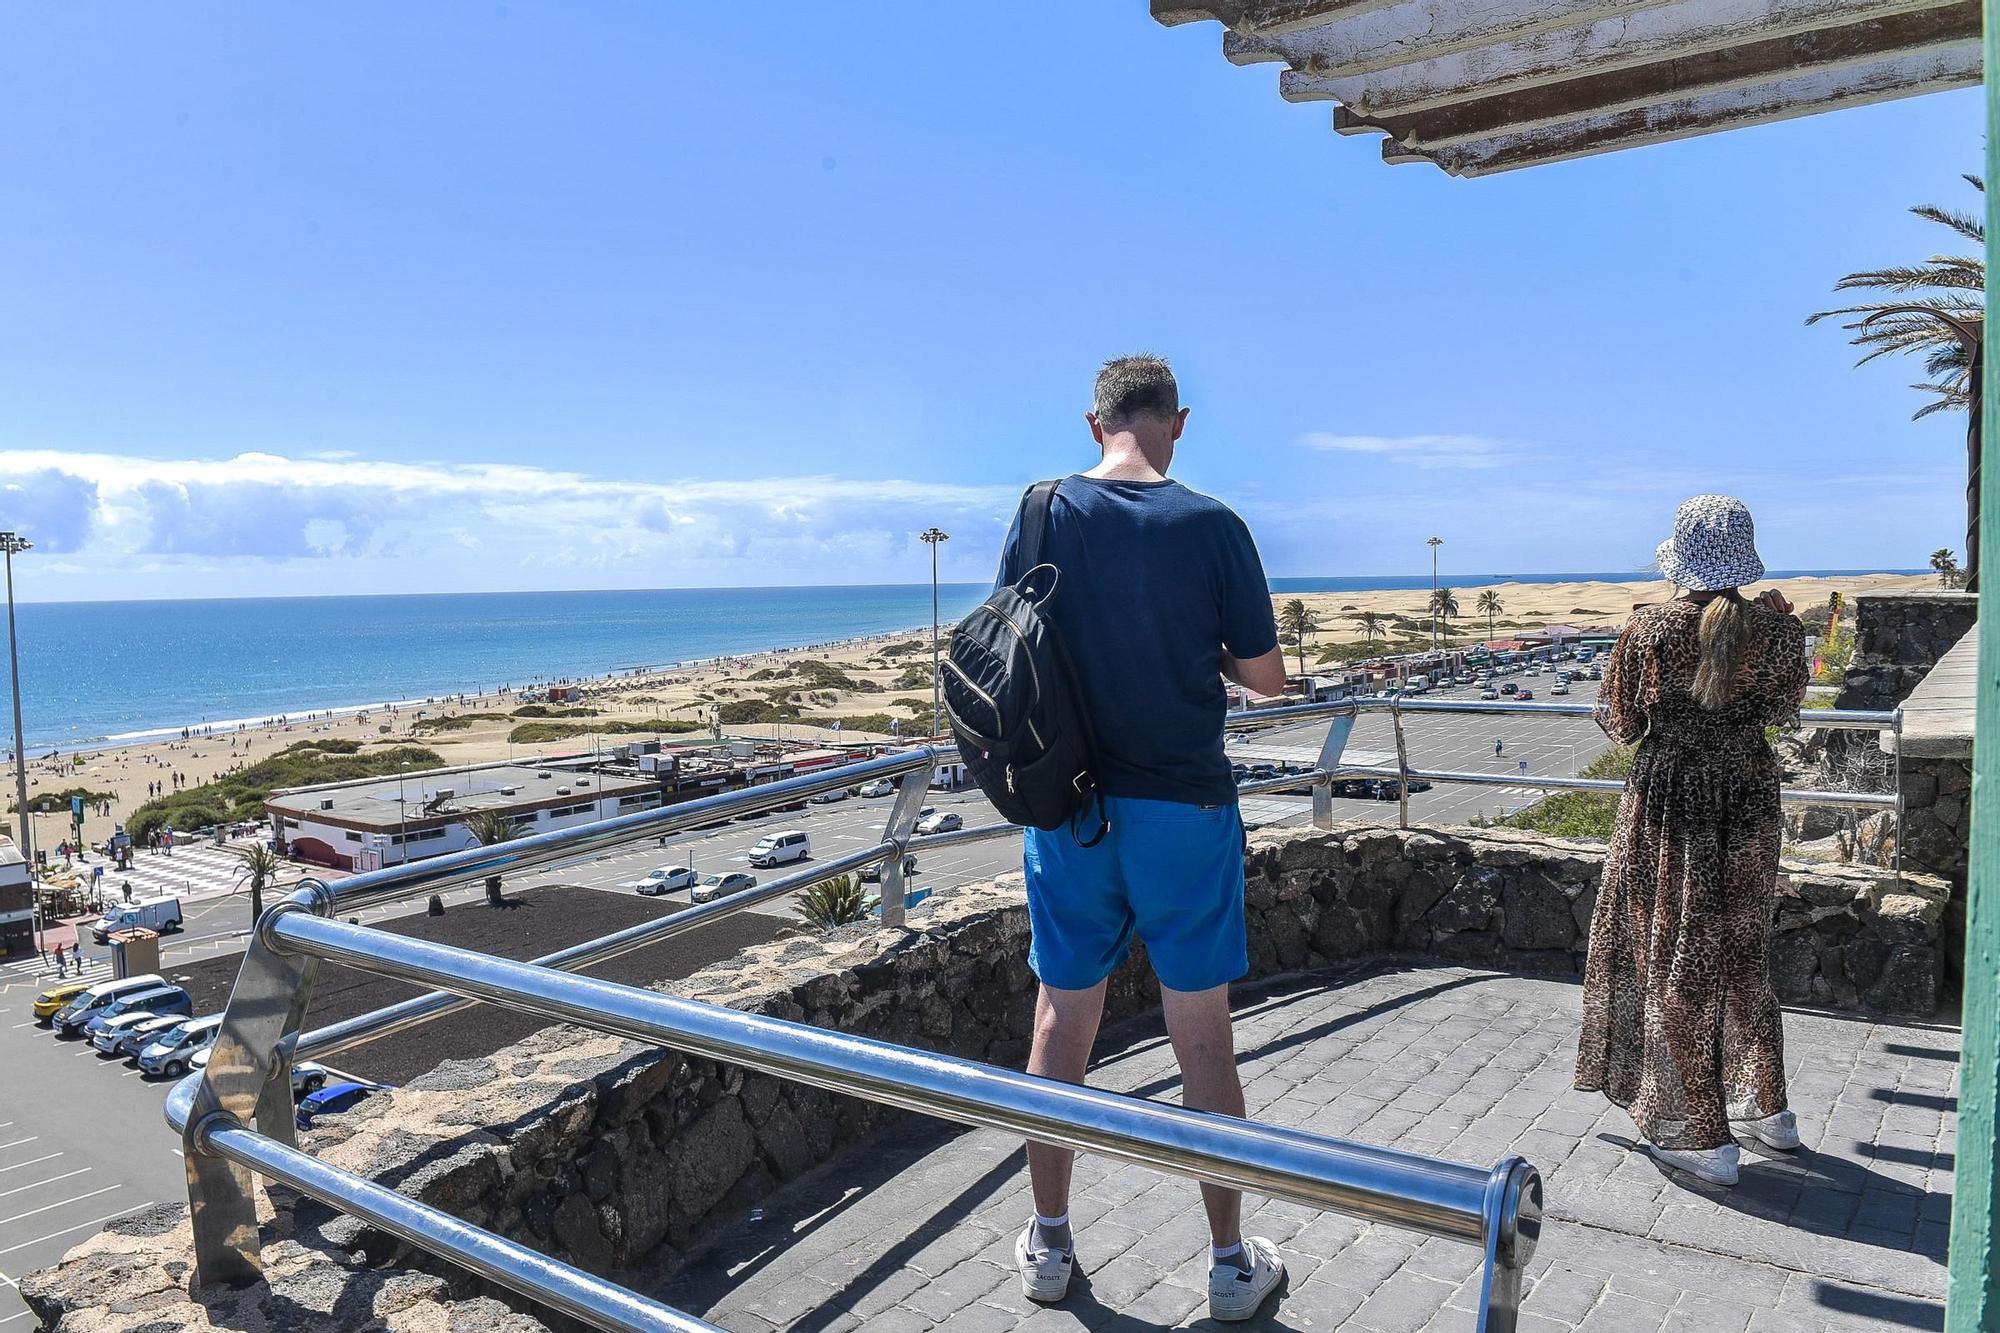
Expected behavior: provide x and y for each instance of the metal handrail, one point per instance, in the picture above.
(1497, 1208)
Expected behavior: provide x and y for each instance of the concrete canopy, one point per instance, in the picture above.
(1483, 86)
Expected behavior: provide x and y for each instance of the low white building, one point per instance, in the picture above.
(387, 821)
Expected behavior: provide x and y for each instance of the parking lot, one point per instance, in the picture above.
(81, 1137)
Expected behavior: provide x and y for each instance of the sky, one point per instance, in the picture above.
(381, 297)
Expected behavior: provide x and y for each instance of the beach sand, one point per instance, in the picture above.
(884, 681)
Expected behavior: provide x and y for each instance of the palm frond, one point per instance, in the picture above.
(1966, 225)
(1907, 278)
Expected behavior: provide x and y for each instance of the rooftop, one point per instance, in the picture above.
(1485, 88)
(388, 802)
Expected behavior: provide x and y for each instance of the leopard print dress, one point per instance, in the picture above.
(1680, 1024)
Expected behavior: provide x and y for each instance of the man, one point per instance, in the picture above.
(1161, 596)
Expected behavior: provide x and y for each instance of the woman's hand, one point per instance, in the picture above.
(1776, 600)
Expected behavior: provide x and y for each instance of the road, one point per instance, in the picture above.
(82, 1140)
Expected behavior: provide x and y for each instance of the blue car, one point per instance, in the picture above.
(333, 1099)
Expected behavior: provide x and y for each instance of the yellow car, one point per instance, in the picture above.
(55, 997)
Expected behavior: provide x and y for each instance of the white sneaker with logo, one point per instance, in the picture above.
(1717, 1166)
(1234, 1294)
(1045, 1272)
(1779, 1130)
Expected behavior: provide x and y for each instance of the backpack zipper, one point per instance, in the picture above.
(991, 706)
(1033, 673)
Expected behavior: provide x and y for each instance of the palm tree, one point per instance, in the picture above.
(1946, 323)
(1296, 620)
(1489, 602)
(490, 828)
(832, 903)
(260, 866)
(1372, 624)
(1946, 564)
(1444, 605)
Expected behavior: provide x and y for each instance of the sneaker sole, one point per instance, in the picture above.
(1047, 1293)
(1237, 1314)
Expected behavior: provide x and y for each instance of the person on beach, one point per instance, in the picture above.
(1680, 1024)
(1162, 595)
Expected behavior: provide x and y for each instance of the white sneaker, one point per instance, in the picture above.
(1717, 1166)
(1234, 1294)
(1045, 1272)
(1779, 1130)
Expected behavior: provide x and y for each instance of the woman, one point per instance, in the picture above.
(1680, 1025)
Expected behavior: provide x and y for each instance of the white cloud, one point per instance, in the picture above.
(1426, 451)
(355, 524)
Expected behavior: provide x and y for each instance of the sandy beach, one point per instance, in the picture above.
(863, 679)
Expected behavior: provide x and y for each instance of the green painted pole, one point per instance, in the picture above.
(1973, 1305)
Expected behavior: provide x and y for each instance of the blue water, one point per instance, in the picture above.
(112, 672)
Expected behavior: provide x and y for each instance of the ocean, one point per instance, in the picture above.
(110, 673)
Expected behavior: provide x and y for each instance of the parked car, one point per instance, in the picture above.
(156, 1000)
(1559, 688)
(1489, 695)
(55, 997)
(828, 797)
(939, 821)
(69, 1020)
(171, 1053)
(333, 1099)
(879, 787)
(873, 874)
(116, 1036)
(162, 915)
(307, 1076)
(715, 886)
(775, 849)
(1524, 694)
(1259, 772)
(1463, 680)
(1509, 687)
(666, 879)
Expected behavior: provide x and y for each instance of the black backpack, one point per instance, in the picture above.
(1012, 696)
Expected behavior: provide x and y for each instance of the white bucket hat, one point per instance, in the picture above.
(1714, 546)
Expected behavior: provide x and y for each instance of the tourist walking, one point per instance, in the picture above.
(1680, 1024)
(1160, 595)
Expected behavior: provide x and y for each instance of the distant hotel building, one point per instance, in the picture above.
(377, 822)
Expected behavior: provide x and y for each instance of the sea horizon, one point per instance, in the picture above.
(102, 674)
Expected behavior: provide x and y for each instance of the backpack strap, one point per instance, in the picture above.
(1035, 506)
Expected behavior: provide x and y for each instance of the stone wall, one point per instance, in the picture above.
(1897, 639)
(615, 1156)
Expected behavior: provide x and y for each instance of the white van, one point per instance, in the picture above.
(774, 849)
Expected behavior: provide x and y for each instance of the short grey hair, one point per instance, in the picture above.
(1133, 386)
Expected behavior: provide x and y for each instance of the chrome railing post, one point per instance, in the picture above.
(248, 1082)
(911, 789)
(1513, 1226)
(1338, 729)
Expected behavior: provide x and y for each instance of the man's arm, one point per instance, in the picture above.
(1263, 675)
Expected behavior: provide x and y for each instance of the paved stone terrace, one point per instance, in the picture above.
(914, 1230)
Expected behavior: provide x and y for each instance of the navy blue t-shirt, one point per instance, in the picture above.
(1157, 582)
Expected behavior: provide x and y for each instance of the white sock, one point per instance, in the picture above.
(1054, 1232)
(1232, 1255)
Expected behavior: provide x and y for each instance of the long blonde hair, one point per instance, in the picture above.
(1725, 643)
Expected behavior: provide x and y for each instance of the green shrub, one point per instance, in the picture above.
(547, 710)
(241, 795)
(57, 802)
(534, 733)
(905, 648)
(456, 722)
(878, 723)
(833, 903)
(743, 711)
(1578, 814)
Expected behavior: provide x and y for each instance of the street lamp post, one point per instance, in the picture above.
(1434, 543)
(12, 544)
(933, 538)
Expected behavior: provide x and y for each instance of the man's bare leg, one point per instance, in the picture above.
(1065, 1029)
(1198, 1023)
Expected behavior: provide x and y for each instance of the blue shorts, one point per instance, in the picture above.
(1169, 871)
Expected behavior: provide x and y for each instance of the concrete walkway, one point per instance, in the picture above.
(915, 1230)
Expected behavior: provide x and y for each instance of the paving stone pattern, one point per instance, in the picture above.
(914, 1228)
